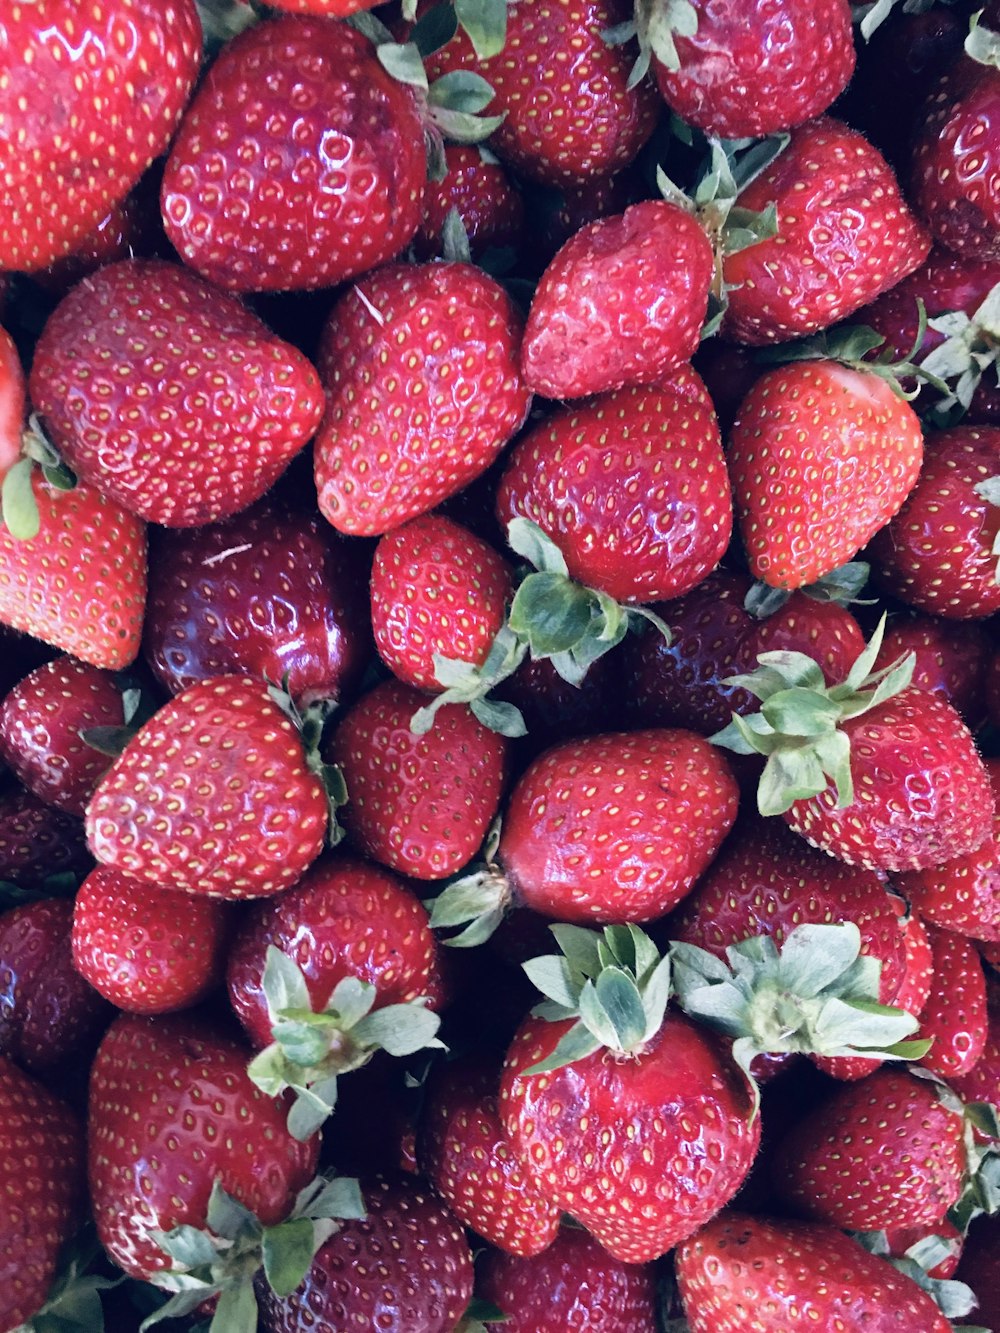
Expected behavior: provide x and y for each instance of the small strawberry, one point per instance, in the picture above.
(147, 949)
(954, 1016)
(406, 426)
(489, 205)
(89, 99)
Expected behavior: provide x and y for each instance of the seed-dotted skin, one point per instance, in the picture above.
(982, 1082)
(952, 659)
(631, 487)
(424, 389)
(420, 805)
(436, 588)
(89, 96)
(407, 1268)
(345, 918)
(616, 827)
(744, 1274)
(821, 457)
(171, 1111)
(212, 795)
(41, 1185)
(757, 66)
(489, 204)
(37, 840)
(169, 396)
(845, 235)
(80, 584)
(300, 162)
(641, 1150)
(954, 1017)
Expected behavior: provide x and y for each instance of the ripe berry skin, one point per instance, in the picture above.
(489, 204)
(320, 154)
(954, 1016)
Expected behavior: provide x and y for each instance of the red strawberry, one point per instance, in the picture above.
(554, 710)
(169, 396)
(463, 1150)
(40, 724)
(120, 234)
(982, 1082)
(632, 488)
(954, 1016)
(884, 1152)
(822, 455)
(80, 582)
(951, 659)
(272, 593)
(418, 804)
(845, 235)
(41, 1179)
(89, 100)
(746, 70)
(740, 1270)
(300, 162)
(918, 978)
(212, 795)
(37, 840)
(574, 1284)
(488, 203)
(12, 403)
(407, 426)
(149, 950)
(944, 1231)
(937, 554)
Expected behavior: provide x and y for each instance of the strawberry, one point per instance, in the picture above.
(464, 1153)
(419, 804)
(573, 1284)
(212, 795)
(147, 949)
(954, 1016)
(37, 840)
(41, 1179)
(951, 659)
(845, 235)
(489, 205)
(555, 710)
(88, 101)
(40, 724)
(945, 1238)
(918, 977)
(12, 402)
(272, 593)
(79, 583)
(938, 552)
(740, 1270)
(822, 455)
(299, 163)
(232, 403)
(982, 1082)
(406, 427)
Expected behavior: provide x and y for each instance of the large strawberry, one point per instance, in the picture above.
(89, 98)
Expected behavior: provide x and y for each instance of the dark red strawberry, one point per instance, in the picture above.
(918, 978)
(212, 795)
(951, 659)
(149, 950)
(300, 162)
(37, 840)
(845, 235)
(937, 554)
(90, 99)
(489, 205)
(272, 593)
(954, 1016)
(575, 1283)
(407, 424)
(554, 710)
(982, 1082)
(558, 214)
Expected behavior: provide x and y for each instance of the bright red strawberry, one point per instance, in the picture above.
(982, 1082)
(954, 1016)
(120, 234)
(822, 455)
(845, 235)
(169, 396)
(80, 582)
(212, 795)
(631, 487)
(41, 1179)
(405, 1265)
(300, 162)
(740, 1270)
(951, 659)
(623, 302)
(937, 554)
(273, 593)
(420, 805)
(12, 402)
(88, 100)
(48, 1013)
(918, 978)
(884, 1152)
(407, 425)
(571, 116)
(40, 724)
(488, 203)
(466, 1157)
(37, 840)
(574, 1284)
(149, 950)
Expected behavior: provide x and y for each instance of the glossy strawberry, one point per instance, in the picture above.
(845, 235)
(951, 659)
(212, 795)
(954, 1016)
(89, 99)
(408, 425)
(489, 204)
(918, 977)
(37, 840)
(300, 162)
(12, 402)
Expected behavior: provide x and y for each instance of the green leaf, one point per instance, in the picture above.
(596, 1019)
(17, 502)
(350, 1001)
(801, 712)
(503, 718)
(226, 1216)
(574, 1045)
(455, 248)
(528, 540)
(461, 90)
(339, 1198)
(434, 29)
(550, 975)
(187, 1246)
(310, 1110)
(287, 1251)
(236, 1311)
(399, 1029)
(181, 1304)
(283, 984)
(485, 22)
(788, 776)
(461, 127)
(580, 946)
(551, 613)
(815, 955)
(619, 998)
(268, 1070)
(304, 1044)
(402, 60)
(468, 898)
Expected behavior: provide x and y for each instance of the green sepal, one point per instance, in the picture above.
(463, 126)
(73, 1304)
(310, 723)
(971, 347)
(287, 1252)
(434, 29)
(221, 21)
(842, 586)
(485, 24)
(461, 90)
(17, 502)
(658, 22)
(478, 902)
(982, 44)
(467, 684)
(402, 61)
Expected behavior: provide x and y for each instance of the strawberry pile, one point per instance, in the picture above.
(500, 691)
